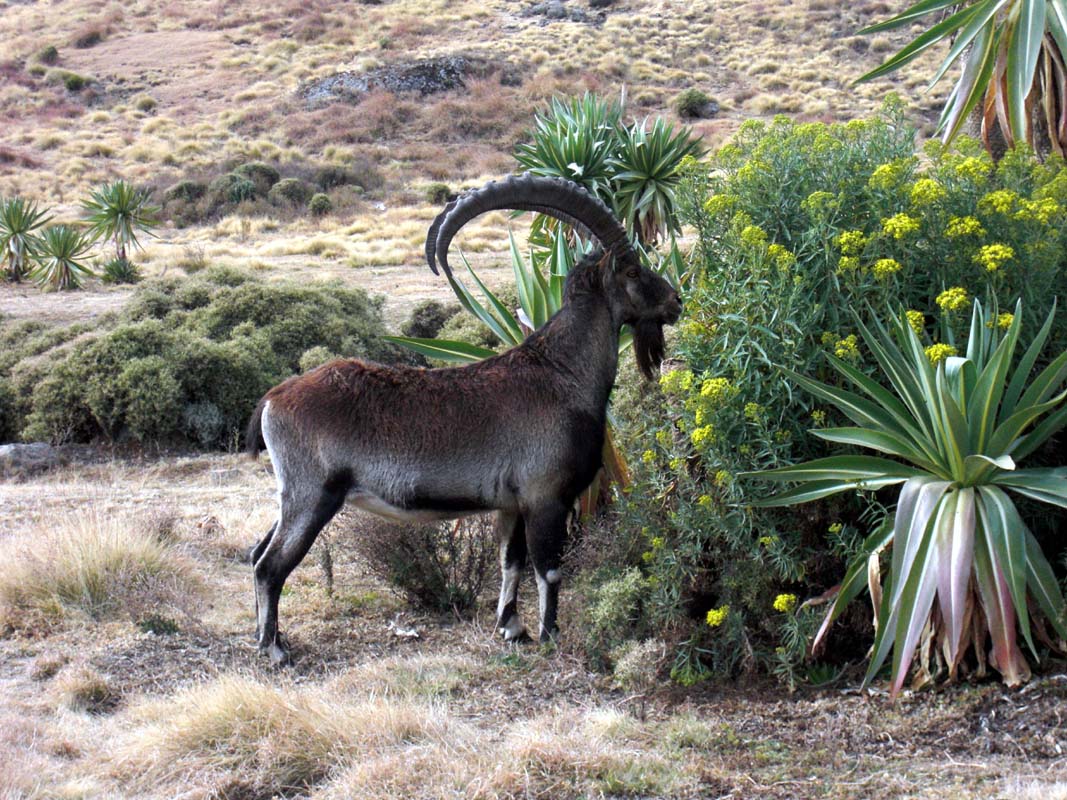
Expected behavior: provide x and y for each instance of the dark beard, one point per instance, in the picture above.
(649, 347)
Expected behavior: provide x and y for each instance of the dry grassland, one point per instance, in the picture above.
(127, 669)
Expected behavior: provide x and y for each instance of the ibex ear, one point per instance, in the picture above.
(606, 262)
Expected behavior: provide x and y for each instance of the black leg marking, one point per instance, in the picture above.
(297, 528)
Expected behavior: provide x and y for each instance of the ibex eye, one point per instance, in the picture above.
(632, 273)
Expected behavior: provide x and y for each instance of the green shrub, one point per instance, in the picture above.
(47, 54)
(185, 190)
(315, 357)
(120, 270)
(428, 318)
(290, 191)
(8, 412)
(438, 194)
(320, 205)
(71, 80)
(185, 359)
(263, 176)
(691, 103)
(145, 103)
(798, 224)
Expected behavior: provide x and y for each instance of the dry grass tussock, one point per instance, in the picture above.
(238, 731)
(88, 565)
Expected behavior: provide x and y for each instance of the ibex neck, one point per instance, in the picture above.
(582, 342)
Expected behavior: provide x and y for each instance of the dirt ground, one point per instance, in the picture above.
(755, 741)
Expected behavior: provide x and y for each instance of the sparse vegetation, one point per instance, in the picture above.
(440, 567)
(89, 566)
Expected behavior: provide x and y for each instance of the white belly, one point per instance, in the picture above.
(375, 505)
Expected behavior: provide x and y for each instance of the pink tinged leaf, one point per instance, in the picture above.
(955, 545)
(912, 609)
(999, 609)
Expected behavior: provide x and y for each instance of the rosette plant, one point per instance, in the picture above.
(60, 258)
(19, 219)
(954, 433)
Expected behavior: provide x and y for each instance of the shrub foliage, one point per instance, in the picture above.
(798, 224)
(186, 359)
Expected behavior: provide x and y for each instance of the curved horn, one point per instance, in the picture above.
(555, 197)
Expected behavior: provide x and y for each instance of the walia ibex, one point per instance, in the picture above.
(520, 433)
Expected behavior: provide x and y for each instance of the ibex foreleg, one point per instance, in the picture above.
(512, 532)
(546, 531)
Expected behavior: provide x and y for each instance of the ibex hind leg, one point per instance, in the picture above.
(254, 554)
(300, 521)
(512, 534)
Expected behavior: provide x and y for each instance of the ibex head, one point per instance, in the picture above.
(635, 295)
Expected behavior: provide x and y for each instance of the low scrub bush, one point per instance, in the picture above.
(800, 225)
(263, 176)
(290, 191)
(438, 567)
(185, 360)
(319, 205)
(428, 318)
(120, 270)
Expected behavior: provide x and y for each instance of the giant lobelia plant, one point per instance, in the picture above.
(956, 430)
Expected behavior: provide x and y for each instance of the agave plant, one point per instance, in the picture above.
(1013, 55)
(117, 211)
(19, 219)
(59, 258)
(958, 430)
(647, 166)
(574, 140)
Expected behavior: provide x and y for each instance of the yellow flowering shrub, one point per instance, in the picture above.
(900, 225)
(927, 191)
(954, 299)
(848, 264)
(717, 616)
(1001, 201)
(939, 352)
(847, 349)
(785, 603)
(677, 381)
(884, 268)
(974, 168)
(964, 226)
(1005, 320)
(851, 243)
(917, 320)
(993, 256)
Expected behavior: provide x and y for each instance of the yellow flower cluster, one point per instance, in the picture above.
(1001, 201)
(927, 191)
(899, 225)
(964, 226)
(847, 349)
(677, 381)
(648, 457)
(663, 438)
(723, 478)
(785, 603)
(753, 411)
(753, 236)
(1038, 210)
(939, 352)
(702, 436)
(973, 168)
(818, 202)
(993, 256)
(1004, 321)
(828, 338)
(886, 176)
(954, 299)
(768, 541)
(848, 264)
(717, 616)
(719, 204)
(677, 464)
(782, 258)
(658, 542)
(716, 390)
(688, 164)
(818, 416)
(885, 267)
(917, 320)
(851, 243)
(836, 528)
(704, 501)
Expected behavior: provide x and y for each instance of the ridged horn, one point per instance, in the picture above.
(564, 200)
